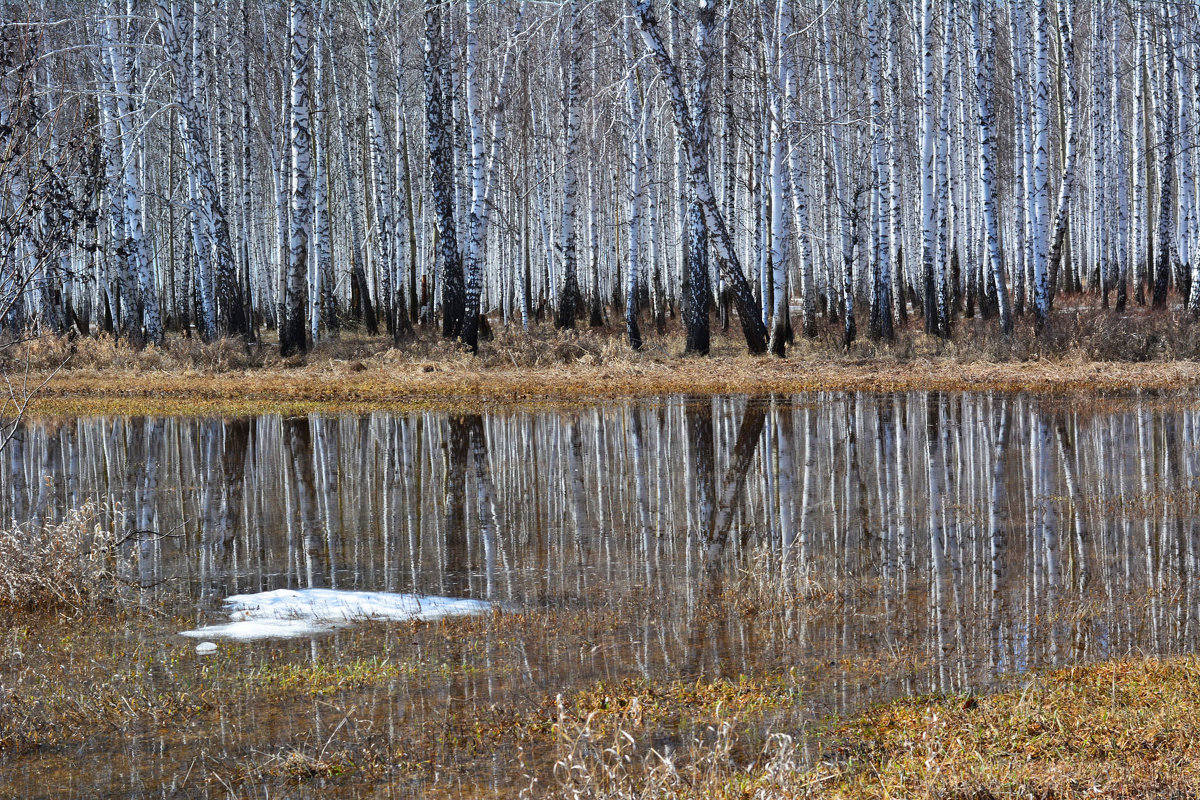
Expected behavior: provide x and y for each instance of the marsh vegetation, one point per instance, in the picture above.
(692, 592)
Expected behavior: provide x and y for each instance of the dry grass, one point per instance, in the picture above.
(613, 767)
(1122, 729)
(70, 565)
(63, 682)
(295, 765)
(1117, 729)
(1079, 351)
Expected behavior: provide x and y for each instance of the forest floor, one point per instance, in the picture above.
(1081, 350)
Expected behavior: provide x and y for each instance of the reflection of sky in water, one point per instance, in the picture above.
(658, 539)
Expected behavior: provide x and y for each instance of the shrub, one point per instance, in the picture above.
(69, 565)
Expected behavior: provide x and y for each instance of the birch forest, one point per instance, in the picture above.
(288, 170)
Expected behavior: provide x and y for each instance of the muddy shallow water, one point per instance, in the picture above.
(846, 548)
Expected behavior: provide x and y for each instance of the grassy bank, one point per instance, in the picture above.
(1081, 351)
(1126, 728)
(1120, 729)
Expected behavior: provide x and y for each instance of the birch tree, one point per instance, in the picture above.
(292, 328)
(360, 293)
(134, 246)
(384, 229)
(1040, 201)
(985, 66)
(1165, 123)
(569, 298)
(483, 167)
(896, 167)
(322, 312)
(224, 313)
(929, 280)
(881, 298)
(1066, 40)
(749, 310)
(636, 168)
(439, 130)
(781, 327)
(695, 278)
(1119, 150)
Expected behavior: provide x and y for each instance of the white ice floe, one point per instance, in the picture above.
(206, 648)
(286, 613)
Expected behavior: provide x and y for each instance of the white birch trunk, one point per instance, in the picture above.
(1062, 207)
(749, 311)
(214, 229)
(944, 290)
(384, 230)
(1119, 150)
(320, 290)
(985, 66)
(292, 333)
(121, 290)
(781, 327)
(1040, 204)
(135, 242)
(801, 225)
(483, 167)
(361, 291)
(637, 166)
(569, 299)
(439, 131)
(1164, 93)
(881, 290)
(846, 200)
(928, 200)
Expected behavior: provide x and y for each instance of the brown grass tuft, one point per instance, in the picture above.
(1116, 729)
(69, 566)
(1120, 729)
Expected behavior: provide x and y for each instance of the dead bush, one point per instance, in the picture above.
(69, 565)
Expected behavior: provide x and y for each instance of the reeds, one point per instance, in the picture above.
(62, 566)
(614, 765)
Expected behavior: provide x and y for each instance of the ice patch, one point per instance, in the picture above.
(206, 648)
(289, 613)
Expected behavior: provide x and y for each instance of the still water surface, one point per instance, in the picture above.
(865, 546)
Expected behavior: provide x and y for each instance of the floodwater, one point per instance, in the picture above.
(859, 546)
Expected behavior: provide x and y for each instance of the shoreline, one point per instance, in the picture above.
(355, 386)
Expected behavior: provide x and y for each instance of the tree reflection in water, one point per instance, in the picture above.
(878, 544)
